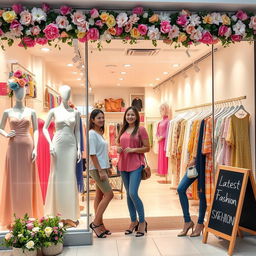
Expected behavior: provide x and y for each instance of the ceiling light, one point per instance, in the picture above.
(176, 65)
(74, 72)
(121, 79)
(151, 85)
(82, 66)
(45, 49)
(90, 89)
(70, 65)
(157, 79)
(127, 65)
(78, 79)
(196, 68)
(165, 73)
(123, 73)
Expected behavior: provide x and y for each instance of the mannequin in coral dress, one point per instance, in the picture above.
(20, 191)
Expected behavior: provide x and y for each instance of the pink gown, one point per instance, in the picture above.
(44, 158)
(21, 192)
(162, 159)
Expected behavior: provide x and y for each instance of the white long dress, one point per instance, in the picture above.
(62, 192)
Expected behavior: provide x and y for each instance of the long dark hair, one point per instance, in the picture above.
(126, 124)
(93, 114)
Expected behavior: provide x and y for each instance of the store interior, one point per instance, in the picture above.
(181, 78)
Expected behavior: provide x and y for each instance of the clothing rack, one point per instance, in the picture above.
(210, 104)
(53, 90)
(18, 64)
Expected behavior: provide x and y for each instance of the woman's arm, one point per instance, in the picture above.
(46, 132)
(2, 126)
(144, 149)
(36, 135)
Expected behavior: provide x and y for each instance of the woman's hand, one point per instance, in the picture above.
(130, 150)
(119, 150)
(34, 155)
(103, 175)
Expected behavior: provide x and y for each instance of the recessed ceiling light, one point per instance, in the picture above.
(151, 85)
(70, 65)
(121, 79)
(127, 65)
(157, 79)
(176, 65)
(78, 79)
(165, 73)
(45, 49)
(82, 66)
(74, 72)
(90, 89)
(123, 73)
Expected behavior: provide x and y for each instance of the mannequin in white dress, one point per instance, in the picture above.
(62, 192)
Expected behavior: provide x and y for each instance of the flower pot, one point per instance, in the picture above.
(53, 249)
(19, 252)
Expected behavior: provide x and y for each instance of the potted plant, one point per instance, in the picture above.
(24, 237)
(52, 231)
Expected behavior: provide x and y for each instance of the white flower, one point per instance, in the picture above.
(32, 219)
(145, 15)
(196, 35)
(106, 36)
(38, 15)
(194, 20)
(48, 231)
(91, 22)
(239, 28)
(133, 18)
(28, 32)
(61, 225)
(216, 18)
(153, 33)
(174, 32)
(20, 235)
(82, 28)
(234, 18)
(164, 16)
(69, 27)
(121, 19)
(62, 21)
(36, 229)
(8, 236)
(25, 18)
(30, 245)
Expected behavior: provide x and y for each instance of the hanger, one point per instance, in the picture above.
(241, 112)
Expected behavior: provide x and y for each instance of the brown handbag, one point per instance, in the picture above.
(113, 105)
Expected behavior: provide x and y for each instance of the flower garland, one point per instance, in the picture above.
(45, 25)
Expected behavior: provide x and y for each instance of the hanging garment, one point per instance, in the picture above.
(162, 159)
(21, 192)
(150, 134)
(43, 157)
(62, 193)
(79, 165)
(112, 135)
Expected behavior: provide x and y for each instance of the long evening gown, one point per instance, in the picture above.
(43, 157)
(21, 192)
(62, 192)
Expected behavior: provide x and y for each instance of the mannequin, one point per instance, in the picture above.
(62, 192)
(21, 191)
(161, 137)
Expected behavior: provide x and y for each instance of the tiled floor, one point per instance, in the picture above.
(157, 243)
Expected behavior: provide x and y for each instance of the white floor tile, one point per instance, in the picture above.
(69, 251)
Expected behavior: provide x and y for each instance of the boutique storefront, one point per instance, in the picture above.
(182, 70)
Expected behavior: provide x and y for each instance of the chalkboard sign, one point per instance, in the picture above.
(225, 202)
(233, 207)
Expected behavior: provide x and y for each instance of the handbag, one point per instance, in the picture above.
(192, 172)
(113, 105)
(146, 171)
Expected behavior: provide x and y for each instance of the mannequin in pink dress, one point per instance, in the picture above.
(161, 137)
(44, 157)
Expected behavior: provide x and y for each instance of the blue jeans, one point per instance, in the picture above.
(131, 183)
(182, 188)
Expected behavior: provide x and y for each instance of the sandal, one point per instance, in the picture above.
(101, 235)
(107, 232)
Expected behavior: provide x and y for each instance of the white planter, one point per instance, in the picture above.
(19, 252)
(53, 249)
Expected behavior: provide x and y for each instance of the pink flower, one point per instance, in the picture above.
(17, 74)
(253, 23)
(133, 19)
(27, 42)
(58, 214)
(207, 38)
(94, 34)
(35, 30)
(223, 30)
(99, 23)
(41, 41)
(128, 27)
(182, 20)
(165, 26)
(51, 31)
(46, 7)
(30, 226)
(127, 38)
(15, 24)
(78, 18)
(119, 31)
(241, 15)
(1, 32)
(56, 238)
(65, 10)
(86, 38)
(143, 29)
(190, 29)
(236, 38)
(25, 18)
(94, 13)
(17, 8)
(138, 10)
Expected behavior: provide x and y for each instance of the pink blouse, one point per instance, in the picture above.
(132, 161)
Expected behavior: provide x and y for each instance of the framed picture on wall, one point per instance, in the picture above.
(138, 100)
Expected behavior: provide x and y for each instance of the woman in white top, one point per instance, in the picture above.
(98, 167)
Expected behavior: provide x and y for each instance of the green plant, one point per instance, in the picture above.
(52, 231)
(24, 234)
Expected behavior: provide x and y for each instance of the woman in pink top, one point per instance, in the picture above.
(133, 142)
